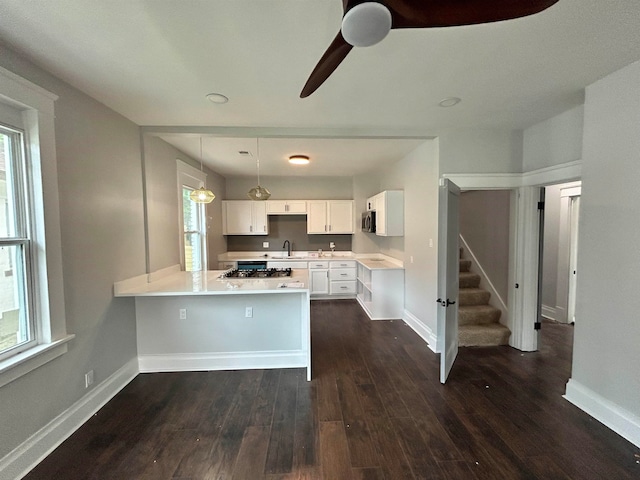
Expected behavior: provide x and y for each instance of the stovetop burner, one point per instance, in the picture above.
(258, 273)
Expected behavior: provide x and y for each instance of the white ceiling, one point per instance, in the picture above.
(154, 61)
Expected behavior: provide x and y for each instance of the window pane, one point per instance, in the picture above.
(9, 194)
(192, 213)
(14, 326)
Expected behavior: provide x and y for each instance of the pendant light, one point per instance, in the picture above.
(202, 195)
(258, 193)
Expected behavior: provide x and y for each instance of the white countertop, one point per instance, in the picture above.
(379, 264)
(209, 283)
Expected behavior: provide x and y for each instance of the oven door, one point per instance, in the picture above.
(252, 264)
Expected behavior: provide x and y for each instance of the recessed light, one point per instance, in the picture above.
(217, 98)
(450, 102)
(299, 159)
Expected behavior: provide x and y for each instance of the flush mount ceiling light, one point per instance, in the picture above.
(299, 159)
(217, 98)
(258, 193)
(366, 24)
(201, 195)
(450, 102)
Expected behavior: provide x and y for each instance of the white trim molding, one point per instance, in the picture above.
(621, 421)
(549, 312)
(222, 361)
(422, 330)
(32, 451)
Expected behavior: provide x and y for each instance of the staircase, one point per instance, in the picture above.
(478, 322)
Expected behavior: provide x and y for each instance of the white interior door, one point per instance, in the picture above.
(573, 259)
(448, 274)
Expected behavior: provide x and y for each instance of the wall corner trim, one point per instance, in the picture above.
(621, 421)
(422, 330)
(32, 451)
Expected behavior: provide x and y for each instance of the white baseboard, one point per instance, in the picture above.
(549, 312)
(222, 361)
(421, 329)
(621, 421)
(32, 451)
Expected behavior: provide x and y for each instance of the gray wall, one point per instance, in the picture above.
(480, 151)
(484, 224)
(606, 354)
(100, 188)
(554, 141)
(287, 227)
(293, 188)
(163, 206)
(417, 176)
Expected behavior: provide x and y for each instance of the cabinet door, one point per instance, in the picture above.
(340, 216)
(259, 222)
(276, 207)
(317, 217)
(319, 282)
(238, 218)
(297, 206)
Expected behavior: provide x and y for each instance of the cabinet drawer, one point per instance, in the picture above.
(318, 264)
(288, 264)
(342, 274)
(344, 287)
(343, 264)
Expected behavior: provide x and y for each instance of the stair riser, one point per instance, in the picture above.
(465, 265)
(478, 318)
(469, 281)
(473, 298)
(483, 339)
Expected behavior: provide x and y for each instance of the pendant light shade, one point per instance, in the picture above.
(258, 193)
(202, 195)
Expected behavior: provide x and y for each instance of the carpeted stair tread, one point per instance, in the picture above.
(464, 265)
(478, 315)
(469, 280)
(483, 335)
(473, 296)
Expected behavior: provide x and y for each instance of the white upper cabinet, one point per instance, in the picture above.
(389, 208)
(286, 207)
(244, 217)
(330, 216)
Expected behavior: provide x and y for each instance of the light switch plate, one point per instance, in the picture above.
(265, 244)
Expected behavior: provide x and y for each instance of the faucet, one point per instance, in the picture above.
(287, 244)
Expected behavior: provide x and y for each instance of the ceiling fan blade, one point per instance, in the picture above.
(448, 13)
(334, 55)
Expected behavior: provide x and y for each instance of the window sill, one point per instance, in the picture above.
(27, 361)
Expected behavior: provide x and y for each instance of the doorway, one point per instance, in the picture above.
(560, 251)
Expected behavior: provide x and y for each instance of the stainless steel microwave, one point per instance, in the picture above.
(369, 222)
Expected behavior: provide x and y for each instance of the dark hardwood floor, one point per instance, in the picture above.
(374, 410)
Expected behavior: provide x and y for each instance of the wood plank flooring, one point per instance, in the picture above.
(374, 410)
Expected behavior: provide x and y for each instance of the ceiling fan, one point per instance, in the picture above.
(365, 23)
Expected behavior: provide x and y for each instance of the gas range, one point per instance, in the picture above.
(257, 273)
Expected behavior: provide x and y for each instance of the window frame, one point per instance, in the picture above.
(35, 107)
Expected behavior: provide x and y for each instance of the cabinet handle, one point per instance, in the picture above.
(343, 274)
(251, 228)
(329, 227)
(325, 228)
(264, 228)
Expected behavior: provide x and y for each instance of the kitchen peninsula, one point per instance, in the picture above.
(200, 321)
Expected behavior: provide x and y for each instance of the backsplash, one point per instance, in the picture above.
(287, 227)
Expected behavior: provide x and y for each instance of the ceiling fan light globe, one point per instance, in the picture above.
(366, 24)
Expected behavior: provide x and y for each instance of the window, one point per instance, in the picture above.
(32, 314)
(17, 329)
(193, 225)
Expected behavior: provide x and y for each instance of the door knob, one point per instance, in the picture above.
(450, 303)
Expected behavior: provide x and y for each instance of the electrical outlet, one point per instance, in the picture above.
(88, 379)
(248, 312)
(332, 245)
(265, 244)
(411, 258)
(431, 243)
(183, 314)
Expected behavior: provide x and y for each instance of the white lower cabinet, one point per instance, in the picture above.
(380, 292)
(342, 277)
(319, 278)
